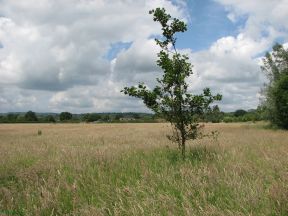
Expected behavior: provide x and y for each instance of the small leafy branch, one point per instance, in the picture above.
(171, 99)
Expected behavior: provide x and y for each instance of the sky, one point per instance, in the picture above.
(76, 55)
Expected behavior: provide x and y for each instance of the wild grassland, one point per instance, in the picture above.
(132, 169)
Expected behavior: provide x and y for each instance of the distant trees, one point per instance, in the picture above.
(118, 116)
(30, 116)
(11, 117)
(214, 115)
(65, 116)
(91, 117)
(136, 116)
(240, 112)
(170, 98)
(50, 118)
(276, 91)
(240, 115)
(105, 118)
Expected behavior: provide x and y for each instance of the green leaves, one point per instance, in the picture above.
(276, 92)
(169, 27)
(275, 63)
(171, 99)
(150, 98)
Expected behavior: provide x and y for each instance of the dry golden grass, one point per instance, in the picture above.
(132, 169)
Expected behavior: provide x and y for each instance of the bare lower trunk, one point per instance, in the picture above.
(183, 140)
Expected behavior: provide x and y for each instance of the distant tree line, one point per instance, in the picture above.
(214, 115)
(28, 117)
(240, 115)
(67, 117)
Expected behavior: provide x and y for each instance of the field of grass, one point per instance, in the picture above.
(132, 169)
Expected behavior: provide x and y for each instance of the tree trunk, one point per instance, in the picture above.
(183, 142)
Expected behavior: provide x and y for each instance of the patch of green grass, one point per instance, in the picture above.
(8, 180)
(142, 177)
(158, 182)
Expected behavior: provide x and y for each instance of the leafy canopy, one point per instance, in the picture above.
(276, 91)
(65, 116)
(30, 116)
(170, 98)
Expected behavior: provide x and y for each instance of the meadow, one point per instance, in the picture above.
(133, 169)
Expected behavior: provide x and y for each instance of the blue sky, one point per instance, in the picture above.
(76, 56)
(208, 22)
(115, 48)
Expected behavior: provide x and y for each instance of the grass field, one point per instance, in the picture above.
(132, 169)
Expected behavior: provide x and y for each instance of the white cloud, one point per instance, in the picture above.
(137, 63)
(105, 97)
(60, 47)
(263, 16)
(54, 45)
(230, 68)
(231, 65)
(52, 53)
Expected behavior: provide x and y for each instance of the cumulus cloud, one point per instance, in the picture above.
(54, 45)
(264, 17)
(53, 54)
(60, 46)
(231, 65)
(104, 97)
(137, 63)
(14, 99)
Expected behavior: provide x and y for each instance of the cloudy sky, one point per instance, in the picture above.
(76, 55)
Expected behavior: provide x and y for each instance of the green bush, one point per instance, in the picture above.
(228, 119)
(281, 102)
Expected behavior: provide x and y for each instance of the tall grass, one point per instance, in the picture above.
(132, 169)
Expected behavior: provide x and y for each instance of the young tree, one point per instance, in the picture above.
(171, 98)
(276, 91)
